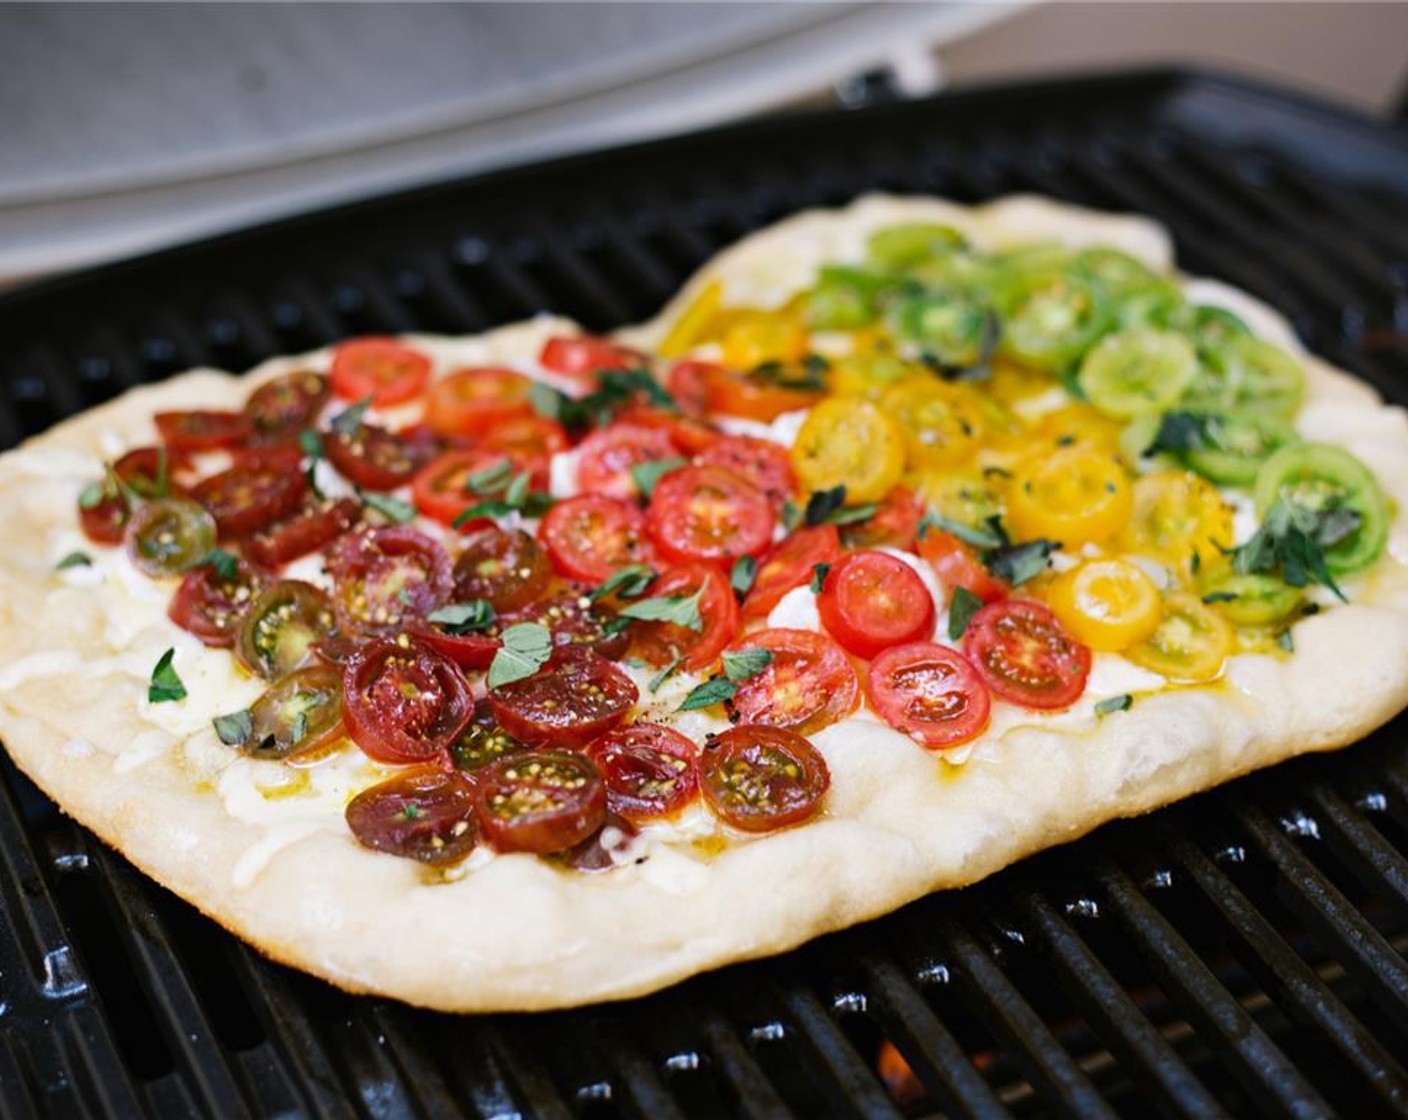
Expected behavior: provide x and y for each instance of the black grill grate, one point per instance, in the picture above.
(1238, 954)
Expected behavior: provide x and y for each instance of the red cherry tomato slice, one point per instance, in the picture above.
(505, 567)
(583, 356)
(251, 494)
(660, 643)
(607, 456)
(688, 383)
(570, 701)
(757, 398)
(316, 525)
(894, 525)
(688, 434)
(282, 408)
(542, 801)
(381, 368)
(765, 464)
(711, 514)
(759, 779)
(871, 600)
(425, 815)
(531, 442)
(956, 566)
(374, 458)
(808, 685)
(471, 402)
(468, 651)
(790, 565)
(574, 621)
(404, 702)
(104, 521)
(141, 470)
(445, 488)
(930, 692)
(1026, 656)
(212, 607)
(202, 429)
(588, 537)
(386, 578)
(650, 770)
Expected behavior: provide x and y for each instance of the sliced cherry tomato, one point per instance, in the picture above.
(930, 692)
(688, 383)
(583, 356)
(468, 651)
(404, 702)
(1073, 495)
(281, 626)
(762, 778)
(482, 741)
(755, 338)
(650, 770)
(608, 847)
(765, 464)
(102, 514)
(374, 458)
(871, 600)
(588, 537)
(169, 536)
(251, 494)
(894, 525)
(297, 714)
(504, 567)
(570, 701)
(543, 801)
(531, 442)
(789, 565)
(387, 577)
(846, 441)
(956, 565)
(1177, 516)
(660, 643)
(809, 683)
(425, 815)
(1026, 656)
(381, 368)
(688, 433)
(576, 621)
(153, 472)
(316, 525)
(458, 480)
(943, 422)
(711, 514)
(1191, 644)
(753, 397)
(210, 606)
(282, 408)
(202, 429)
(607, 456)
(1108, 604)
(471, 402)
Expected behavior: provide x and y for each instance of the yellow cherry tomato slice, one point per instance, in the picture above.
(694, 322)
(1108, 604)
(942, 422)
(849, 442)
(967, 497)
(1190, 645)
(1177, 514)
(756, 337)
(1073, 495)
(1080, 425)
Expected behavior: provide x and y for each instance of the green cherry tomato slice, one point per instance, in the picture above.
(1253, 600)
(1247, 372)
(1317, 476)
(297, 714)
(843, 299)
(953, 329)
(1237, 443)
(169, 536)
(1052, 317)
(897, 248)
(278, 633)
(1118, 271)
(1212, 328)
(1137, 371)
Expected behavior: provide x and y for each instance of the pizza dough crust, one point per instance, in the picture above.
(519, 934)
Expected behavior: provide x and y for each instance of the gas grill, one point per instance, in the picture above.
(1241, 953)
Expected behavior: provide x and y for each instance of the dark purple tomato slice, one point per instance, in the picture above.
(387, 578)
(571, 700)
(759, 779)
(211, 606)
(425, 815)
(651, 771)
(541, 801)
(404, 702)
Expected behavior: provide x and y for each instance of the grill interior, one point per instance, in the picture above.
(1240, 953)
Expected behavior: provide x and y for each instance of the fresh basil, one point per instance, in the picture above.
(166, 683)
(392, 508)
(742, 575)
(989, 536)
(1017, 563)
(745, 664)
(828, 507)
(1291, 543)
(961, 609)
(713, 691)
(235, 728)
(681, 610)
(226, 564)
(526, 648)
(646, 475)
(346, 422)
(818, 581)
(74, 560)
(664, 674)
(628, 582)
(461, 618)
(1120, 703)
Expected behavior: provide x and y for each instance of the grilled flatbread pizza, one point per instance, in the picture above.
(537, 668)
